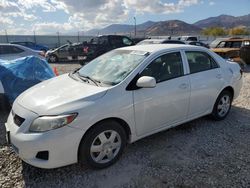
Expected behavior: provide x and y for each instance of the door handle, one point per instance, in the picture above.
(183, 86)
(218, 76)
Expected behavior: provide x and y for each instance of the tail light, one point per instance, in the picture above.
(86, 49)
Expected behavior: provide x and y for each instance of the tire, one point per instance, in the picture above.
(98, 150)
(222, 105)
(53, 58)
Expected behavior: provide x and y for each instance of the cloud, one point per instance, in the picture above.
(87, 14)
(158, 6)
(83, 14)
(211, 3)
(4, 20)
(51, 27)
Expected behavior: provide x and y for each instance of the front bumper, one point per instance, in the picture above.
(61, 144)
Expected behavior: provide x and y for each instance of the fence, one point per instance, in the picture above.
(51, 41)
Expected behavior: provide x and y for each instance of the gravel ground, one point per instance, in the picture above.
(201, 153)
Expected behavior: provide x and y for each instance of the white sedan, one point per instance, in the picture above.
(124, 95)
(14, 51)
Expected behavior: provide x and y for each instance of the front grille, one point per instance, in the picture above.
(18, 120)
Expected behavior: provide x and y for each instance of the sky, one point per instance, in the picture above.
(72, 16)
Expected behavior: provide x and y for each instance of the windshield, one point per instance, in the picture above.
(113, 67)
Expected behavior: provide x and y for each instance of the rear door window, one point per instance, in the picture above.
(200, 61)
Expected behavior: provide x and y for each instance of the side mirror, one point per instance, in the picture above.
(146, 82)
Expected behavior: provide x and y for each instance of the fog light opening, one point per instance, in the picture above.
(44, 155)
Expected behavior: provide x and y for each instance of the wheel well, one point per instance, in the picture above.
(118, 120)
(123, 123)
(230, 89)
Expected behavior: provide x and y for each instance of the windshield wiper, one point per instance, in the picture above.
(96, 82)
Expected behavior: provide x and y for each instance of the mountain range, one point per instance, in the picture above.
(174, 27)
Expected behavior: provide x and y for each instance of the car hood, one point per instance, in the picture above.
(223, 49)
(58, 95)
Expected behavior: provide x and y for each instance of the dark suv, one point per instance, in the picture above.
(102, 44)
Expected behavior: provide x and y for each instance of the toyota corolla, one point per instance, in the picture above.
(90, 114)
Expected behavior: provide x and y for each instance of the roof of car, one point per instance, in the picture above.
(17, 45)
(157, 47)
(154, 40)
(235, 40)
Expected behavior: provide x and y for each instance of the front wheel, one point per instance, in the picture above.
(222, 105)
(103, 145)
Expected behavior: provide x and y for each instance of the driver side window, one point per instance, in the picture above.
(165, 67)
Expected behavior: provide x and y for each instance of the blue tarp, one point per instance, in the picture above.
(20, 74)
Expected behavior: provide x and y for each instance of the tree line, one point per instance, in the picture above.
(219, 31)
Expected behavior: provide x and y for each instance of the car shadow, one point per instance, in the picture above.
(246, 69)
(184, 142)
(3, 118)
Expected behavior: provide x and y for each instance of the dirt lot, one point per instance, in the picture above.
(202, 153)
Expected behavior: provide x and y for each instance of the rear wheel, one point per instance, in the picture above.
(222, 105)
(53, 58)
(103, 145)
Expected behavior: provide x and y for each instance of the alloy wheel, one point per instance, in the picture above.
(224, 105)
(105, 146)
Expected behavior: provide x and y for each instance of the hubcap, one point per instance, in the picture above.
(105, 146)
(224, 105)
(52, 58)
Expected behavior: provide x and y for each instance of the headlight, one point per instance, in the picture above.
(47, 123)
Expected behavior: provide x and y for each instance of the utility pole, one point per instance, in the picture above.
(135, 25)
(78, 36)
(6, 35)
(34, 32)
(58, 38)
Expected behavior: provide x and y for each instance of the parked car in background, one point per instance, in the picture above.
(66, 52)
(58, 54)
(120, 97)
(102, 44)
(168, 41)
(160, 41)
(188, 38)
(215, 42)
(197, 43)
(230, 49)
(14, 51)
(32, 45)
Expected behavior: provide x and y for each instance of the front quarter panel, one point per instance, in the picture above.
(117, 103)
